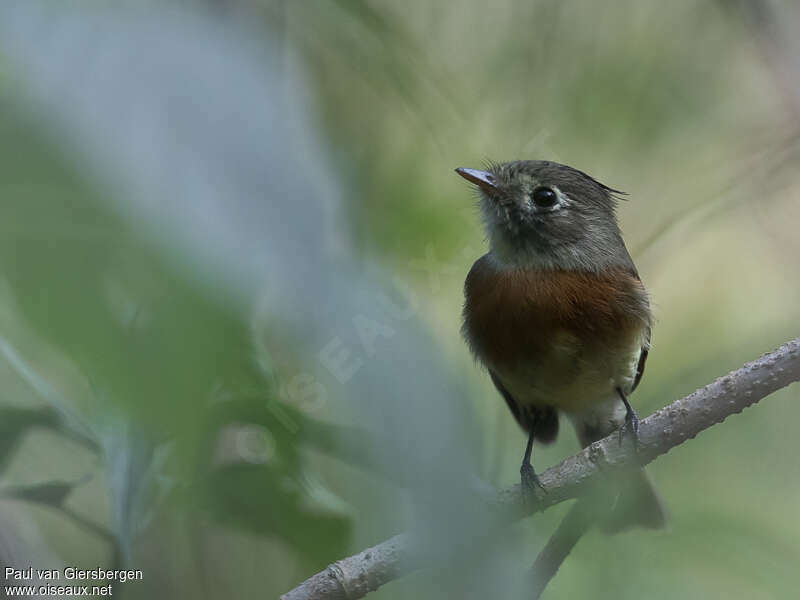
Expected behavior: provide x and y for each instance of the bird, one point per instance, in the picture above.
(558, 315)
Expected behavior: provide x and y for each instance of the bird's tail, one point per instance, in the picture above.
(637, 505)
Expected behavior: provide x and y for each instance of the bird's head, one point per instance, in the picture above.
(548, 215)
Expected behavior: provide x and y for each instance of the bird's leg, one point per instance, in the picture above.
(528, 477)
(631, 421)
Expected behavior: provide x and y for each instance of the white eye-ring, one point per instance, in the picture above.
(547, 199)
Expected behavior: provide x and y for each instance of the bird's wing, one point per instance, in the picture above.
(642, 360)
(512, 404)
(542, 421)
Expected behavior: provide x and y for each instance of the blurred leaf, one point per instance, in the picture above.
(292, 430)
(267, 501)
(14, 424)
(132, 472)
(52, 494)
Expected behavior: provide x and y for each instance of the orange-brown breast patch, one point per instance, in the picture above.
(522, 316)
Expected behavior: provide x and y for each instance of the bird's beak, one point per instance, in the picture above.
(482, 179)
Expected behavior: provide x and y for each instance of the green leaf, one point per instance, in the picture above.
(15, 423)
(264, 499)
(52, 493)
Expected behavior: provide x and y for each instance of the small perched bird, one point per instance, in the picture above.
(558, 315)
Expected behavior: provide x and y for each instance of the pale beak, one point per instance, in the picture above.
(482, 179)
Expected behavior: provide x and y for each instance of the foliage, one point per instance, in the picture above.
(231, 262)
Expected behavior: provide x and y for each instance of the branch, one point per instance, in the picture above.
(357, 575)
(577, 521)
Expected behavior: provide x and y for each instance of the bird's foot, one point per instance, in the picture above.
(530, 483)
(630, 428)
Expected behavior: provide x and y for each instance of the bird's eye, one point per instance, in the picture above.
(544, 197)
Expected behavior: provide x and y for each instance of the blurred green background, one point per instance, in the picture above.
(179, 394)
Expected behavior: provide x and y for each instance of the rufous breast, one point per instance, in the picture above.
(554, 323)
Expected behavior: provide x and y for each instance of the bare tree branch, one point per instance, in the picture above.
(576, 522)
(357, 575)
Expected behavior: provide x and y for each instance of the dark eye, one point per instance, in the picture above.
(544, 197)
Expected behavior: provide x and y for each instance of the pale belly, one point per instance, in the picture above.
(574, 380)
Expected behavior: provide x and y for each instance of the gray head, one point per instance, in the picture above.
(548, 215)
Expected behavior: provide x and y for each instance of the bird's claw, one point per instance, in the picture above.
(630, 427)
(531, 484)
